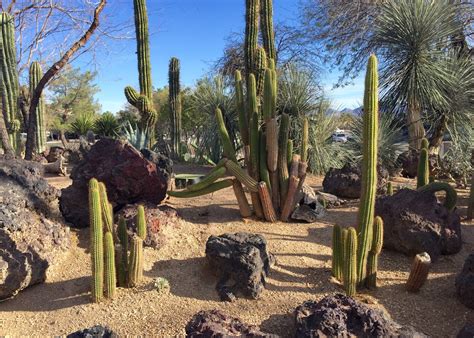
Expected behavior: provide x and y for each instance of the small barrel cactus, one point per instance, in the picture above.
(419, 272)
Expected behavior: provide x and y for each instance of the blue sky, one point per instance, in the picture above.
(195, 32)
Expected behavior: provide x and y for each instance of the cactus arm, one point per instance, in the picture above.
(209, 189)
(141, 222)
(213, 176)
(224, 135)
(451, 195)
(240, 103)
(131, 95)
(241, 175)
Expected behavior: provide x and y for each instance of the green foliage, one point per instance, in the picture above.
(107, 125)
(83, 123)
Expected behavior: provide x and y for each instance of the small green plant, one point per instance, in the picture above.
(107, 125)
(136, 136)
(161, 285)
(83, 123)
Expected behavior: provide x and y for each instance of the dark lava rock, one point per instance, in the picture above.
(242, 263)
(161, 220)
(31, 239)
(465, 282)
(97, 331)
(342, 316)
(416, 222)
(409, 163)
(309, 209)
(128, 176)
(76, 152)
(466, 332)
(346, 182)
(215, 323)
(163, 163)
(54, 153)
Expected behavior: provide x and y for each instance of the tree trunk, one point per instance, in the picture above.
(63, 138)
(437, 137)
(416, 131)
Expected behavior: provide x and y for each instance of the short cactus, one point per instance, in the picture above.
(135, 271)
(350, 263)
(376, 248)
(337, 252)
(110, 276)
(423, 175)
(419, 272)
(122, 258)
(141, 222)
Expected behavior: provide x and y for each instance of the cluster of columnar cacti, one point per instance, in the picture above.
(143, 101)
(9, 78)
(111, 264)
(423, 175)
(175, 105)
(359, 250)
(36, 73)
(274, 174)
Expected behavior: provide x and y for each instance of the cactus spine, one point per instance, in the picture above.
(175, 105)
(266, 26)
(9, 78)
(251, 34)
(141, 222)
(97, 242)
(110, 277)
(377, 243)
(451, 196)
(423, 175)
(36, 73)
(350, 262)
(337, 252)
(369, 167)
(135, 272)
(419, 272)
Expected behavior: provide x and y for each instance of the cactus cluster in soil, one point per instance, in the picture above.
(112, 264)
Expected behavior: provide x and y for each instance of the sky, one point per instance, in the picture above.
(194, 31)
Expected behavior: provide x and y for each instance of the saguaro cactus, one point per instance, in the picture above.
(419, 272)
(350, 262)
(9, 78)
(175, 105)
(369, 167)
(377, 243)
(97, 249)
(266, 27)
(36, 73)
(110, 277)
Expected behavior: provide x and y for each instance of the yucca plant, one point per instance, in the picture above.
(83, 123)
(107, 125)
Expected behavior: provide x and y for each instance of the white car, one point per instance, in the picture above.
(339, 137)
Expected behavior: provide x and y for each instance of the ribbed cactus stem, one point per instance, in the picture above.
(229, 151)
(337, 252)
(266, 199)
(107, 213)
(110, 276)
(304, 140)
(420, 269)
(260, 66)
(97, 242)
(344, 233)
(141, 222)
(241, 175)
(272, 144)
(283, 157)
(135, 272)
(425, 144)
(289, 152)
(9, 78)
(372, 260)
(122, 258)
(175, 105)
(251, 34)
(244, 207)
(208, 190)
(240, 104)
(266, 26)
(213, 176)
(423, 175)
(143, 48)
(389, 189)
(268, 95)
(36, 73)
(254, 147)
(289, 204)
(264, 173)
(451, 197)
(350, 263)
(369, 167)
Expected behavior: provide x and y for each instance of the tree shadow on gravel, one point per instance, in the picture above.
(217, 213)
(50, 296)
(282, 324)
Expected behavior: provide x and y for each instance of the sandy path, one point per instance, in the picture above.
(303, 253)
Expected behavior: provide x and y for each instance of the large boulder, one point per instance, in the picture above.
(346, 182)
(416, 222)
(163, 163)
(241, 259)
(309, 209)
(465, 282)
(215, 323)
(128, 176)
(161, 221)
(31, 238)
(342, 316)
(467, 331)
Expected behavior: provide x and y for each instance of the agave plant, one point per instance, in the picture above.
(390, 141)
(135, 135)
(107, 125)
(83, 123)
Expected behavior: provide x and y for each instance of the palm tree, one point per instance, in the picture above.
(413, 36)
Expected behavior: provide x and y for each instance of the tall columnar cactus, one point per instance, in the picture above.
(9, 78)
(97, 241)
(175, 105)
(135, 268)
(283, 157)
(425, 144)
(266, 27)
(423, 175)
(419, 272)
(337, 252)
(304, 140)
(141, 222)
(123, 262)
(377, 243)
(251, 34)
(260, 67)
(229, 151)
(369, 167)
(240, 103)
(350, 262)
(110, 277)
(107, 211)
(36, 73)
(143, 101)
